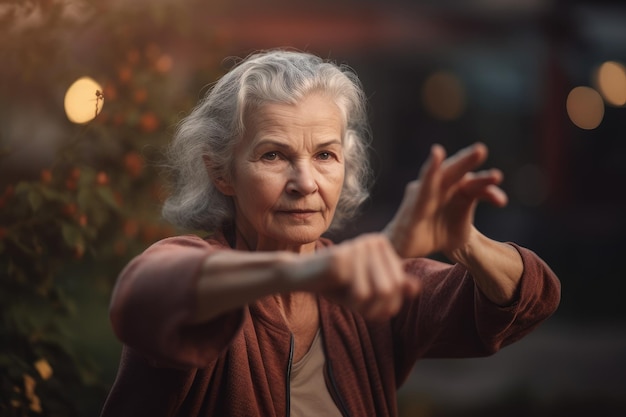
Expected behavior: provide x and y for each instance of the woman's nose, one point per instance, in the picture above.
(302, 179)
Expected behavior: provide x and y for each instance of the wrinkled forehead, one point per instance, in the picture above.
(316, 107)
(316, 117)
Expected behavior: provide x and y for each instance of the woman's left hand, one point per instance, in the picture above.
(437, 211)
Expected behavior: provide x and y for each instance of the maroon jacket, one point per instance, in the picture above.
(239, 363)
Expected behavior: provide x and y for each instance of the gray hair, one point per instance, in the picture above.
(215, 125)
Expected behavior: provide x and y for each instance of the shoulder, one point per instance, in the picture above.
(213, 242)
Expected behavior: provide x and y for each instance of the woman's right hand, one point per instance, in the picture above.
(365, 274)
(437, 211)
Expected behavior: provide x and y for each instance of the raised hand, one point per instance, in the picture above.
(437, 211)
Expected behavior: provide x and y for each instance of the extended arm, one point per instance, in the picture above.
(181, 301)
(436, 215)
(364, 274)
(231, 279)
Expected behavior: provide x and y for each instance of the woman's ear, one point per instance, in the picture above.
(221, 183)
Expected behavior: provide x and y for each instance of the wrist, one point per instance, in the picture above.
(389, 232)
(496, 267)
(303, 272)
(404, 241)
(466, 253)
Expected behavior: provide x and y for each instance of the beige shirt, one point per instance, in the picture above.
(309, 393)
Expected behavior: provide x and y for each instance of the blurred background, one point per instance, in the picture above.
(91, 91)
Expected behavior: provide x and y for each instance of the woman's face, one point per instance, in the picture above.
(288, 173)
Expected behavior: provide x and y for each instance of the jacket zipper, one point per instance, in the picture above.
(334, 392)
(288, 382)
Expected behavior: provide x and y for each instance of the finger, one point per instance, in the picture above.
(491, 194)
(483, 186)
(428, 184)
(495, 195)
(360, 290)
(436, 156)
(433, 163)
(405, 286)
(478, 180)
(394, 272)
(464, 161)
(383, 283)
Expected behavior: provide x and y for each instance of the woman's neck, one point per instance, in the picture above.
(251, 242)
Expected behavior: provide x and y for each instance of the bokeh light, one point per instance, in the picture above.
(610, 79)
(164, 64)
(443, 96)
(83, 100)
(585, 107)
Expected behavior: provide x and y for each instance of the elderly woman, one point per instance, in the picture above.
(265, 317)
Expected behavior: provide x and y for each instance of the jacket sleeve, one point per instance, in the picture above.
(154, 301)
(452, 318)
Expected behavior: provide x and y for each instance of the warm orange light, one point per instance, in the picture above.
(611, 81)
(585, 107)
(164, 64)
(443, 96)
(83, 100)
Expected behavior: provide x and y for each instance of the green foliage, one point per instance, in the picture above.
(67, 227)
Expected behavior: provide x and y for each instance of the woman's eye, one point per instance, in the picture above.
(270, 156)
(324, 156)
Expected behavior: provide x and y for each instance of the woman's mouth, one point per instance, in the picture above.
(298, 214)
